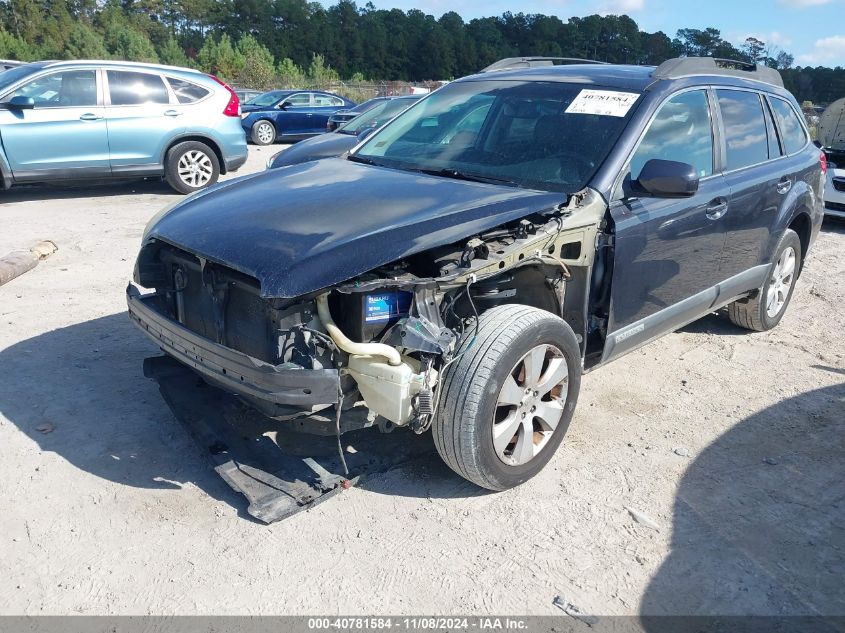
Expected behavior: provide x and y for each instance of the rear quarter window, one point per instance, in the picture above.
(185, 91)
(746, 139)
(791, 131)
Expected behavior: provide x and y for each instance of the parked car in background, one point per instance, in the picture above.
(246, 94)
(290, 115)
(831, 135)
(71, 120)
(6, 64)
(460, 269)
(343, 116)
(345, 137)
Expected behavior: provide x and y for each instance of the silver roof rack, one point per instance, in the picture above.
(511, 63)
(693, 66)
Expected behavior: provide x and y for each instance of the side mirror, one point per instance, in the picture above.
(284, 105)
(365, 133)
(21, 103)
(668, 179)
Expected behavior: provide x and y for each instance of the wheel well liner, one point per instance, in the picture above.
(803, 226)
(199, 139)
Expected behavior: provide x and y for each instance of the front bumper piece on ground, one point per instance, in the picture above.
(264, 385)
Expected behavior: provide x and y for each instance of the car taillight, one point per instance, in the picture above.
(233, 108)
(823, 162)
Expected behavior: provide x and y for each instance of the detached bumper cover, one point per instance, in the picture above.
(229, 369)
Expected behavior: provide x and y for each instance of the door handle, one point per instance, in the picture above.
(90, 116)
(172, 113)
(717, 208)
(784, 186)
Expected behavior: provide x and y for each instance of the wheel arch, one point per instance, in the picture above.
(199, 138)
(803, 226)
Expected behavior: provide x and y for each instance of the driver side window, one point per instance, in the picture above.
(300, 100)
(681, 131)
(67, 89)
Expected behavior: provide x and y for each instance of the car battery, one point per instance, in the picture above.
(366, 316)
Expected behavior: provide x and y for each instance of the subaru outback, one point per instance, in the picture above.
(462, 268)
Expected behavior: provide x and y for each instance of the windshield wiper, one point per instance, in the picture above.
(363, 159)
(462, 175)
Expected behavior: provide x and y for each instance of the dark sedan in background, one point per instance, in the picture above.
(291, 115)
(346, 136)
(345, 116)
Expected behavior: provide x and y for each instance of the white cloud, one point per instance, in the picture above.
(825, 51)
(800, 4)
(620, 7)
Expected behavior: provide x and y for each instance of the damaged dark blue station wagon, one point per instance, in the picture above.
(460, 269)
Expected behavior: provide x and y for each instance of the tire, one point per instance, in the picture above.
(463, 428)
(263, 133)
(757, 312)
(191, 166)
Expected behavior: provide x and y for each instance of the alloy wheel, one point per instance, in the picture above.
(195, 168)
(781, 282)
(530, 405)
(265, 133)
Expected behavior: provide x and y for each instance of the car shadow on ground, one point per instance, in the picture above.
(96, 189)
(759, 518)
(80, 392)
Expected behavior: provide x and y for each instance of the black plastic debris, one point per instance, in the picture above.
(280, 470)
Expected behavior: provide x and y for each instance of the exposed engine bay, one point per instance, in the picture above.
(391, 333)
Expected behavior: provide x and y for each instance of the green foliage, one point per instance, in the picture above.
(294, 43)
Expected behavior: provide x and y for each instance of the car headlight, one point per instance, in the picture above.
(270, 160)
(244, 115)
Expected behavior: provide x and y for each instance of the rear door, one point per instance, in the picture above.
(64, 135)
(141, 118)
(667, 251)
(755, 175)
(324, 106)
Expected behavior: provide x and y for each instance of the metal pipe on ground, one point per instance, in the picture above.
(17, 263)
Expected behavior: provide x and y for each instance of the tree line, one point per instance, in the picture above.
(265, 42)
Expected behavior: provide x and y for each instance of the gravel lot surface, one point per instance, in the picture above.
(701, 474)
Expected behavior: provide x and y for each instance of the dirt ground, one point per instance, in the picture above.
(728, 446)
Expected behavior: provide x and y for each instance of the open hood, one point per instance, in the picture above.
(832, 126)
(302, 228)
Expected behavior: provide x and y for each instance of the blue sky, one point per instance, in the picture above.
(811, 30)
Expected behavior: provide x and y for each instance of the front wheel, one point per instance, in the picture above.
(766, 307)
(507, 401)
(263, 133)
(191, 166)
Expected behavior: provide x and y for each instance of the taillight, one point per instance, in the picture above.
(233, 108)
(823, 162)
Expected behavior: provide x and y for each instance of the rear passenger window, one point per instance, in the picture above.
(680, 131)
(791, 131)
(745, 128)
(186, 92)
(128, 88)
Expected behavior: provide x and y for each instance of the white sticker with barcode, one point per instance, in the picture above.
(604, 102)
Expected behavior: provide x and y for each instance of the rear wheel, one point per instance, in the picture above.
(766, 307)
(191, 166)
(507, 402)
(263, 133)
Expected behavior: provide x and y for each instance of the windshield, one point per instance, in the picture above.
(522, 133)
(377, 115)
(268, 98)
(8, 77)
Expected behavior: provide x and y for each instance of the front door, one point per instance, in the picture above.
(667, 251)
(64, 135)
(295, 115)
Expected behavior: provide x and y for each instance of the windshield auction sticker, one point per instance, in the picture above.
(604, 102)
